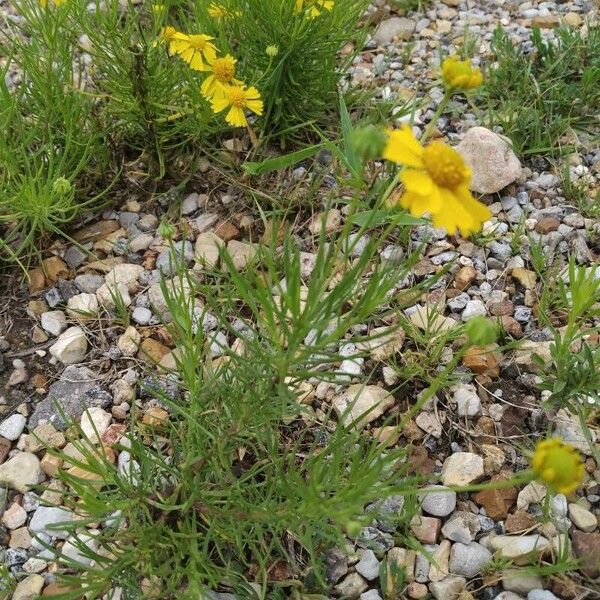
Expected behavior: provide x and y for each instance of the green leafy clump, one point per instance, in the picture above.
(243, 482)
(545, 93)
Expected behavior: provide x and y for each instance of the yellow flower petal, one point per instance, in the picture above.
(236, 117)
(402, 147)
(417, 181)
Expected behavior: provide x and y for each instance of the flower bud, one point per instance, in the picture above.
(62, 186)
(368, 142)
(481, 331)
(272, 51)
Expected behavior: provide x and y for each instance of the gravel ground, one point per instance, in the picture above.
(470, 433)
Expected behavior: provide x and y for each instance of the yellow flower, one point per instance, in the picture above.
(193, 48)
(218, 11)
(222, 74)
(460, 74)
(165, 35)
(558, 465)
(313, 7)
(238, 97)
(44, 3)
(436, 182)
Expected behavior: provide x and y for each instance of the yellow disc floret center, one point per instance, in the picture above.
(445, 165)
(223, 69)
(237, 97)
(197, 42)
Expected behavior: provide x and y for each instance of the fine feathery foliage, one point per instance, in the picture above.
(242, 474)
(545, 93)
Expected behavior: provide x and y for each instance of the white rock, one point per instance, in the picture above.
(520, 581)
(241, 253)
(34, 565)
(462, 468)
(108, 295)
(394, 27)
(474, 308)
(207, 249)
(439, 502)
(467, 401)
(532, 493)
(462, 527)
(569, 429)
(14, 516)
(82, 306)
(12, 427)
(125, 274)
(521, 548)
(448, 588)
(21, 471)
(54, 322)
(140, 242)
(582, 518)
(493, 163)
(541, 595)
(29, 588)
(129, 342)
(430, 423)
(70, 347)
(94, 423)
(71, 550)
(357, 400)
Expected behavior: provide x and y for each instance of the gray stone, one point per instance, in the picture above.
(189, 204)
(88, 283)
(462, 527)
(169, 260)
(521, 581)
(394, 27)
(468, 559)
(46, 518)
(71, 550)
(12, 427)
(439, 503)
(493, 163)
(388, 512)
(376, 540)
(569, 429)
(75, 256)
(54, 322)
(368, 565)
(352, 586)
(141, 315)
(336, 565)
(75, 391)
(474, 308)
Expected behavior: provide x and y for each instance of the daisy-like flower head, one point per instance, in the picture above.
(237, 98)
(165, 35)
(222, 74)
(194, 49)
(435, 182)
(218, 11)
(313, 7)
(558, 465)
(460, 74)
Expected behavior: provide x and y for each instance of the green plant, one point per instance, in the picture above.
(543, 100)
(585, 199)
(299, 84)
(241, 475)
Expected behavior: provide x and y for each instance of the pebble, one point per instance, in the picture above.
(468, 559)
(462, 468)
(467, 400)
(462, 527)
(13, 427)
(439, 502)
(29, 588)
(14, 516)
(582, 518)
(357, 400)
(21, 471)
(70, 347)
(54, 322)
(368, 566)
